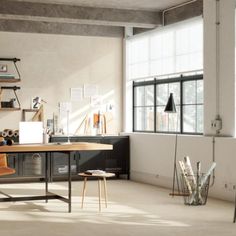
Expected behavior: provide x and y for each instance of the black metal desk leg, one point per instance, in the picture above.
(46, 176)
(69, 183)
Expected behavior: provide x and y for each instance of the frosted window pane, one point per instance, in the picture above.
(182, 41)
(175, 89)
(196, 38)
(195, 61)
(170, 50)
(161, 119)
(200, 118)
(168, 44)
(138, 70)
(138, 50)
(156, 67)
(189, 92)
(149, 95)
(189, 121)
(200, 91)
(144, 118)
(167, 122)
(144, 96)
(173, 119)
(162, 94)
(139, 96)
(156, 47)
(182, 63)
(168, 65)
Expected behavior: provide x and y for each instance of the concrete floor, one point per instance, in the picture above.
(134, 209)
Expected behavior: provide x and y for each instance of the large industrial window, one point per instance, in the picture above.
(167, 52)
(150, 98)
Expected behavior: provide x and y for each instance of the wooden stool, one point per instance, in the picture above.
(100, 177)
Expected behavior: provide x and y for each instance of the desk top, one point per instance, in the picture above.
(54, 147)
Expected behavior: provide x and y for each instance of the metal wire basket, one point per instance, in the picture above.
(195, 189)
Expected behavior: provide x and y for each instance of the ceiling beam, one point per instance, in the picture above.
(185, 12)
(60, 13)
(60, 28)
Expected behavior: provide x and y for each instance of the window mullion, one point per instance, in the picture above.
(181, 107)
(155, 112)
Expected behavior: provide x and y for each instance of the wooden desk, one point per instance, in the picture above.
(48, 149)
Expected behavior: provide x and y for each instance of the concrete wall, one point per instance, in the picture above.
(219, 65)
(52, 64)
(152, 157)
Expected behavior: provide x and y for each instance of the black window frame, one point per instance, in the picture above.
(178, 79)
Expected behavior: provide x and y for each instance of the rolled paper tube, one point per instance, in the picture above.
(2, 143)
(4, 134)
(10, 142)
(16, 133)
(10, 133)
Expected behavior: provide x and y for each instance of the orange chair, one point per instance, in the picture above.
(4, 169)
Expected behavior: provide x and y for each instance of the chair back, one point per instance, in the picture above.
(3, 160)
(3, 157)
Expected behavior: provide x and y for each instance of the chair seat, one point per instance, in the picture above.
(106, 175)
(6, 171)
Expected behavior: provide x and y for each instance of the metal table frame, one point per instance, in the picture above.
(49, 195)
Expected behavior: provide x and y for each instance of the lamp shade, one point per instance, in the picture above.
(170, 106)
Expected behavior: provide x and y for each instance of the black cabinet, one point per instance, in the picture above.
(90, 160)
(116, 161)
(32, 164)
(59, 164)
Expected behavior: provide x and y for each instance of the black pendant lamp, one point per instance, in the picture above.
(170, 106)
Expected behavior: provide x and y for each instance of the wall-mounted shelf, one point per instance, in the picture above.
(6, 76)
(10, 105)
(9, 77)
(7, 80)
(9, 109)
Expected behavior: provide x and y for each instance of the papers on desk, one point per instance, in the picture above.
(95, 172)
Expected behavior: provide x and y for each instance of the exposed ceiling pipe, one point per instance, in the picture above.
(174, 7)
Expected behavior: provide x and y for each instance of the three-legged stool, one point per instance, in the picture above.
(100, 178)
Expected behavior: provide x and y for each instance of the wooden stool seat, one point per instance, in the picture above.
(100, 177)
(105, 175)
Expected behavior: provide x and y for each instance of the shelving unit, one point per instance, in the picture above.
(10, 78)
(2, 80)
(10, 109)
